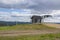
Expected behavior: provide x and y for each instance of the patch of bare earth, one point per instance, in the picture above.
(53, 25)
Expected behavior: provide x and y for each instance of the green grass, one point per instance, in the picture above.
(33, 37)
(26, 27)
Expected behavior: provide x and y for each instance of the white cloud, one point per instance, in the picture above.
(4, 13)
(52, 20)
(25, 12)
(21, 17)
(55, 13)
(11, 1)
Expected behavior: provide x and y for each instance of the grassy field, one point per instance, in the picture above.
(26, 27)
(30, 37)
(33, 37)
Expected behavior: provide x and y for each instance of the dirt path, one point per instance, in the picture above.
(53, 25)
(27, 32)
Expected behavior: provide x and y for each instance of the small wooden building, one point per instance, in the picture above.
(36, 19)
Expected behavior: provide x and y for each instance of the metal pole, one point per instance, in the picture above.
(16, 22)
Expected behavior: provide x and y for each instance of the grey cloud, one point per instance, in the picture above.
(35, 4)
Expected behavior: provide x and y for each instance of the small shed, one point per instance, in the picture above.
(36, 19)
(39, 19)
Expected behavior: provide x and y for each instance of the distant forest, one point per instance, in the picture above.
(4, 23)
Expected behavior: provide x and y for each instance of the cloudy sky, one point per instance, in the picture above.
(31, 4)
(10, 8)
